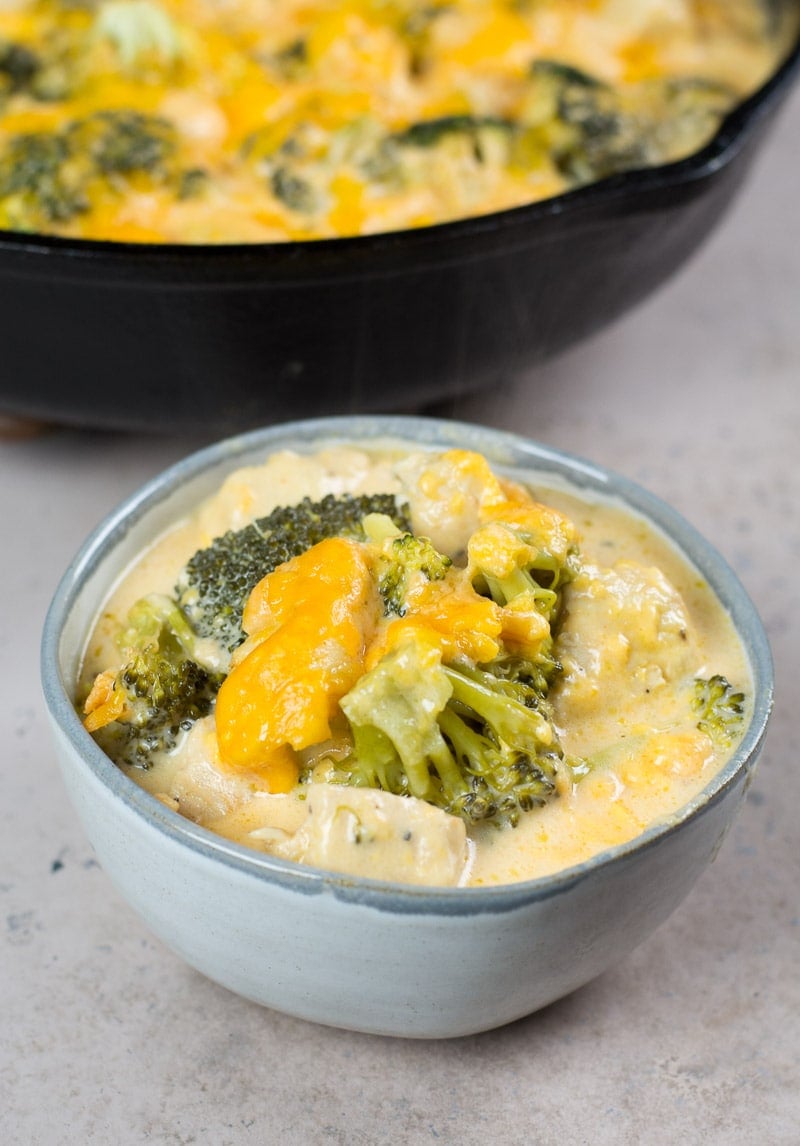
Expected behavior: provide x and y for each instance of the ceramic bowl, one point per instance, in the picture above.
(359, 953)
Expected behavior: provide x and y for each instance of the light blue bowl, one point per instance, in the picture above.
(357, 953)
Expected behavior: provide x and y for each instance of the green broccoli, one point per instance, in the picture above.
(290, 61)
(48, 177)
(157, 619)
(720, 709)
(607, 130)
(46, 72)
(293, 191)
(539, 577)
(600, 137)
(393, 715)
(389, 160)
(502, 739)
(562, 75)
(214, 585)
(431, 132)
(164, 686)
(35, 184)
(459, 738)
(115, 144)
(517, 563)
(534, 675)
(19, 66)
(406, 558)
(192, 184)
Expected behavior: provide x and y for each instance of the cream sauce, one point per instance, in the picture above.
(639, 625)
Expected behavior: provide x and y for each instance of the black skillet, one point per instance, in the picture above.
(222, 338)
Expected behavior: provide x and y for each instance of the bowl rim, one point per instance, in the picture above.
(724, 145)
(434, 433)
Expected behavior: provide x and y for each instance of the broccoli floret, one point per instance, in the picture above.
(720, 709)
(607, 130)
(515, 569)
(35, 184)
(163, 699)
(406, 559)
(160, 691)
(390, 159)
(563, 75)
(214, 585)
(398, 745)
(600, 136)
(121, 143)
(290, 61)
(508, 563)
(539, 578)
(534, 674)
(192, 184)
(19, 66)
(45, 74)
(431, 132)
(293, 191)
(46, 71)
(459, 738)
(503, 741)
(157, 620)
(49, 177)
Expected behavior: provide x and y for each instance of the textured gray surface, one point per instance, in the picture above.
(108, 1038)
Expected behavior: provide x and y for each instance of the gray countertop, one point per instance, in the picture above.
(109, 1038)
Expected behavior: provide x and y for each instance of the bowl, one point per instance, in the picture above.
(359, 953)
(177, 338)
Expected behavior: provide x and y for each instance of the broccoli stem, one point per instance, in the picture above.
(510, 720)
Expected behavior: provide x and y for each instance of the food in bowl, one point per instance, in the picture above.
(410, 665)
(372, 954)
(188, 121)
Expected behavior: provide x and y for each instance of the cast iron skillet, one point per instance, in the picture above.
(173, 337)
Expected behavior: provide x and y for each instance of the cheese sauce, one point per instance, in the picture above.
(195, 121)
(637, 627)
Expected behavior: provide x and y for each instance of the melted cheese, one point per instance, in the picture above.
(303, 119)
(638, 626)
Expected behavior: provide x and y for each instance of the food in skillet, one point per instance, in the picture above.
(194, 121)
(403, 665)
